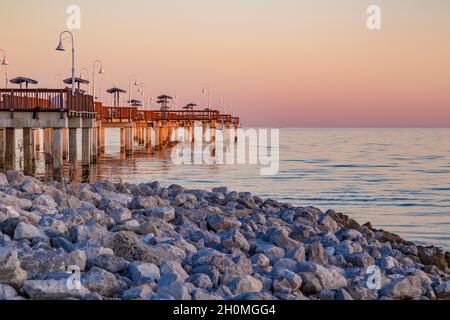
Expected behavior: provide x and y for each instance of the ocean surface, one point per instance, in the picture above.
(398, 179)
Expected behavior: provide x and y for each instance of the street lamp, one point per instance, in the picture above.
(60, 47)
(206, 90)
(141, 91)
(101, 71)
(5, 63)
(136, 83)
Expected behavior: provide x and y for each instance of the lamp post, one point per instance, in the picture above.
(141, 90)
(101, 71)
(5, 63)
(206, 90)
(133, 76)
(60, 47)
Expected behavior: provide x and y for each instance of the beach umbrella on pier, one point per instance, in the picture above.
(135, 103)
(190, 106)
(163, 100)
(22, 80)
(116, 92)
(78, 81)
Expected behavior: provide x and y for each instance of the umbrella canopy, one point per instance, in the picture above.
(164, 97)
(20, 80)
(115, 89)
(77, 80)
(135, 103)
(190, 106)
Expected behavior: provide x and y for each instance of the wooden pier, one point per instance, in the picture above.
(57, 115)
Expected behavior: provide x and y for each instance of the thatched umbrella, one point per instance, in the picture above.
(116, 92)
(22, 80)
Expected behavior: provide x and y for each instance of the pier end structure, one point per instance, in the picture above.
(59, 114)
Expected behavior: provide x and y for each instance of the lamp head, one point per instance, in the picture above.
(102, 71)
(136, 83)
(5, 62)
(60, 46)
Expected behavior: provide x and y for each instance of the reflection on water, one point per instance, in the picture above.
(399, 179)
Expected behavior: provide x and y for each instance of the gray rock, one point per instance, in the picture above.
(7, 292)
(310, 283)
(233, 239)
(245, 283)
(143, 292)
(77, 258)
(219, 222)
(176, 268)
(330, 279)
(165, 213)
(102, 282)
(121, 215)
(108, 262)
(342, 294)
(261, 260)
(407, 288)
(3, 180)
(443, 290)
(10, 271)
(140, 202)
(178, 290)
(28, 231)
(317, 254)
(200, 280)
(53, 290)
(286, 281)
(141, 272)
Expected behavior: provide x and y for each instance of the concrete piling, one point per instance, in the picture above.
(57, 154)
(10, 152)
(73, 152)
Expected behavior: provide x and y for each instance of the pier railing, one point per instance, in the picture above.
(45, 100)
(129, 114)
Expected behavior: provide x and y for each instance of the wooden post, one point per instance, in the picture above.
(122, 140)
(128, 141)
(57, 154)
(203, 131)
(148, 139)
(192, 128)
(2, 148)
(10, 152)
(86, 153)
(212, 126)
(73, 151)
(48, 145)
(101, 139)
(29, 164)
(65, 143)
(37, 137)
(94, 145)
(141, 136)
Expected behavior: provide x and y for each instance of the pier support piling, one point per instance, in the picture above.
(94, 146)
(10, 152)
(2, 148)
(48, 145)
(86, 153)
(73, 151)
(29, 152)
(128, 141)
(148, 138)
(57, 154)
(65, 143)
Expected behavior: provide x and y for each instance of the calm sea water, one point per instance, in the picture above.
(398, 179)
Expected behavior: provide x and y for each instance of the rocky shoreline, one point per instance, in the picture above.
(148, 242)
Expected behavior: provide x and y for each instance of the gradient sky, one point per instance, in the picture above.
(281, 63)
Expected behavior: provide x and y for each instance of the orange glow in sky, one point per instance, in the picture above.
(278, 63)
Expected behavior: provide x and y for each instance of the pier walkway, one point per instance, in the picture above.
(59, 114)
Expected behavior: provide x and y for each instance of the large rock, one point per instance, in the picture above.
(310, 283)
(141, 272)
(317, 254)
(102, 282)
(407, 288)
(433, 256)
(443, 290)
(233, 239)
(108, 262)
(43, 261)
(28, 232)
(175, 268)
(177, 290)
(245, 283)
(218, 222)
(126, 245)
(330, 279)
(53, 289)
(96, 233)
(10, 271)
(7, 292)
(165, 213)
(286, 281)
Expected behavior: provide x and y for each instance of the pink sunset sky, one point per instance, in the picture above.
(276, 63)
